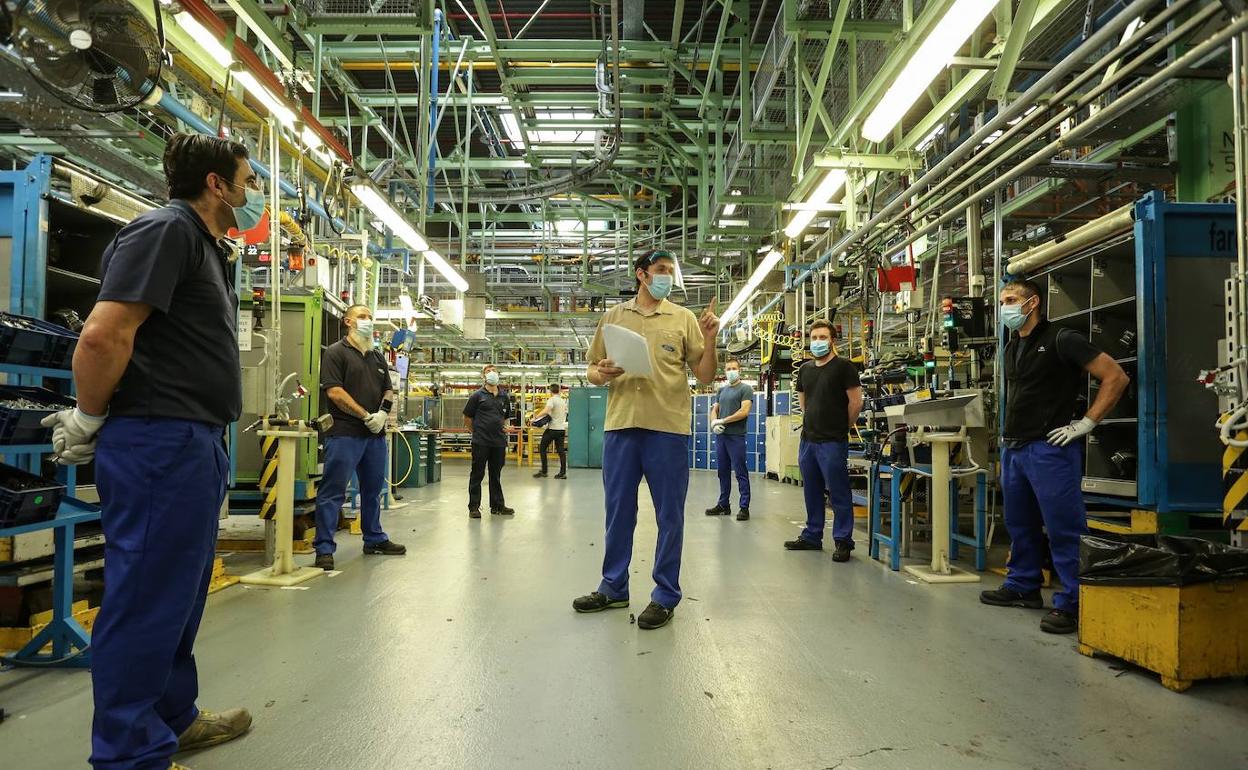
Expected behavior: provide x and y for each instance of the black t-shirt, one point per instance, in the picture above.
(826, 417)
(365, 377)
(185, 363)
(489, 415)
(1044, 380)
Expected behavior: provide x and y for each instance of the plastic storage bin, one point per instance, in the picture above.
(26, 498)
(31, 342)
(20, 426)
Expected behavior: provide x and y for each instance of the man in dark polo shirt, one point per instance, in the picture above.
(158, 380)
(1042, 451)
(356, 382)
(487, 416)
(831, 398)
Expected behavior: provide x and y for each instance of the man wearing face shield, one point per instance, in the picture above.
(356, 381)
(158, 380)
(728, 420)
(647, 434)
(1042, 451)
(487, 415)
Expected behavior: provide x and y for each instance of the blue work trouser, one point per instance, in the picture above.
(345, 455)
(1042, 487)
(825, 468)
(663, 460)
(161, 483)
(730, 451)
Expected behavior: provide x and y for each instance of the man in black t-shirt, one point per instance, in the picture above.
(356, 382)
(487, 416)
(158, 380)
(831, 398)
(1042, 451)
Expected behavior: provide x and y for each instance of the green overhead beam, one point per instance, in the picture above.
(520, 50)
(1020, 29)
(863, 29)
(262, 25)
(361, 23)
(867, 161)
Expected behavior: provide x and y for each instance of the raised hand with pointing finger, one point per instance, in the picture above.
(708, 321)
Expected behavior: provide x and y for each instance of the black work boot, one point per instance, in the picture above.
(597, 602)
(1060, 622)
(504, 511)
(385, 548)
(718, 510)
(474, 513)
(1004, 597)
(801, 544)
(843, 551)
(655, 615)
(743, 514)
(539, 475)
(324, 561)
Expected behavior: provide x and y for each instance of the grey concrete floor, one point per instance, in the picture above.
(466, 654)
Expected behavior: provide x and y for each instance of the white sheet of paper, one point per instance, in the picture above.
(627, 349)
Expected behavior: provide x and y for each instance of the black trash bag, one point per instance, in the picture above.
(1157, 560)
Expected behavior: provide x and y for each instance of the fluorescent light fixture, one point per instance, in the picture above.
(932, 56)
(390, 216)
(731, 208)
(316, 146)
(567, 226)
(204, 38)
(448, 272)
(734, 223)
(276, 108)
(747, 291)
(831, 184)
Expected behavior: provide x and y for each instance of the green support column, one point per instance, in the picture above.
(1205, 134)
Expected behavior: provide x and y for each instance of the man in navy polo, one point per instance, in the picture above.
(158, 380)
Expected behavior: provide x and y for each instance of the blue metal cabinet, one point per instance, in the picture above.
(702, 404)
(700, 460)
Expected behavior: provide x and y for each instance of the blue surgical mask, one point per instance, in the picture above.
(248, 215)
(1013, 317)
(820, 348)
(660, 286)
(733, 376)
(364, 329)
(491, 378)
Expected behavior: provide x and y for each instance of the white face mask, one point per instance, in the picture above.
(363, 329)
(491, 378)
(734, 376)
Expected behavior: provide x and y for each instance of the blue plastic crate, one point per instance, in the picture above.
(31, 342)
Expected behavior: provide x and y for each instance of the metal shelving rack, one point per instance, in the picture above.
(1148, 298)
(70, 641)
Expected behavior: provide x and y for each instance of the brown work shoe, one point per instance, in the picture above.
(212, 729)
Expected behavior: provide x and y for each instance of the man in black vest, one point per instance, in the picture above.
(1042, 451)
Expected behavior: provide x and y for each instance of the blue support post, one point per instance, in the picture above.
(433, 99)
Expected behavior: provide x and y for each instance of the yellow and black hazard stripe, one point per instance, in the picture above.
(268, 478)
(1235, 483)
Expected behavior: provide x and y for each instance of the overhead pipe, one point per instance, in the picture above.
(1113, 223)
(1044, 84)
(178, 110)
(433, 103)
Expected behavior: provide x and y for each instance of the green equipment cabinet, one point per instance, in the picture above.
(433, 458)
(587, 420)
(407, 460)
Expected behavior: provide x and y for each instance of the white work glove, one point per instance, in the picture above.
(1077, 429)
(717, 427)
(73, 435)
(376, 421)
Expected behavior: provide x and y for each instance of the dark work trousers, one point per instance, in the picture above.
(495, 457)
(551, 436)
(161, 483)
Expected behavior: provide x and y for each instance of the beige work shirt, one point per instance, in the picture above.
(661, 401)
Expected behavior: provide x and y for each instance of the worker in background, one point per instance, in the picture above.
(647, 434)
(831, 398)
(1042, 451)
(355, 379)
(556, 409)
(487, 416)
(158, 380)
(733, 401)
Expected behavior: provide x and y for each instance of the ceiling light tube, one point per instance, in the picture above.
(284, 114)
(448, 272)
(747, 291)
(204, 38)
(832, 183)
(389, 216)
(927, 61)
